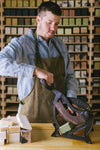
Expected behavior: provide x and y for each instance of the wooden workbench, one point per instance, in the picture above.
(42, 140)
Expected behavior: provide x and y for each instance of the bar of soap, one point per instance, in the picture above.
(14, 138)
(14, 129)
(66, 127)
(23, 121)
(25, 136)
(7, 123)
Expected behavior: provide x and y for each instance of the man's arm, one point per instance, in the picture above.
(11, 61)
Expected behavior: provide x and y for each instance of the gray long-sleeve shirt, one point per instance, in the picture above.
(17, 59)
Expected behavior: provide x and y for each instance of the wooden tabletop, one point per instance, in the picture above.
(42, 140)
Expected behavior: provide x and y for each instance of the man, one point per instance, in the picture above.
(39, 55)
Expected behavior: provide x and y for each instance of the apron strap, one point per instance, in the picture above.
(38, 58)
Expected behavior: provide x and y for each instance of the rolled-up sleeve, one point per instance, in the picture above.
(12, 61)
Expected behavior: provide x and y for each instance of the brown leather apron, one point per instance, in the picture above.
(38, 105)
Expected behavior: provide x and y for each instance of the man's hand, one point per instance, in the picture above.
(43, 74)
(72, 112)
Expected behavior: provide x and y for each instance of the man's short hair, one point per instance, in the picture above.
(49, 6)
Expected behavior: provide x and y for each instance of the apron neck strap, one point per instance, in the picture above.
(38, 58)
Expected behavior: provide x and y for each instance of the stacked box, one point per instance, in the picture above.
(65, 3)
(77, 3)
(77, 48)
(84, 39)
(85, 21)
(97, 12)
(9, 90)
(21, 21)
(65, 39)
(7, 30)
(27, 21)
(60, 31)
(77, 74)
(97, 47)
(71, 48)
(13, 30)
(77, 39)
(20, 30)
(19, 3)
(8, 21)
(97, 30)
(97, 65)
(76, 30)
(84, 48)
(65, 21)
(65, 12)
(71, 12)
(14, 21)
(95, 90)
(83, 65)
(32, 3)
(77, 57)
(83, 73)
(82, 82)
(83, 90)
(71, 38)
(84, 30)
(68, 30)
(26, 30)
(8, 3)
(14, 3)
(84, 3)
(71, 3)
(78, 21)
(25, 3)
(71, 21)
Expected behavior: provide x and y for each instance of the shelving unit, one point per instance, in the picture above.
(95, 99)
(78, 28)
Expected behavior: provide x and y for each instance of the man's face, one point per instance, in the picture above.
(47, 24)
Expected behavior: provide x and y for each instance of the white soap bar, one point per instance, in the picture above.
(14, 138)
(23, 122)
(5, 122)
(14, 129)
(2, 142)
(3, 135)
